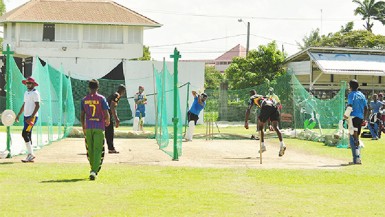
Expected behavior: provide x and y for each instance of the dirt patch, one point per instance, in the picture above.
(198, 153)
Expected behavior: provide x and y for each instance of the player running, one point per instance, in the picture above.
(269, 111)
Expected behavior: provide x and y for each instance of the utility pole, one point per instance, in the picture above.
(248, 35)
(248, 38)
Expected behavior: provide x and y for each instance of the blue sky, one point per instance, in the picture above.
(204, 29)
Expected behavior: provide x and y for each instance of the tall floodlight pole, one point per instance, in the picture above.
(175, 120)
(8, 54)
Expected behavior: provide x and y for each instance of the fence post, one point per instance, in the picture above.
(223, 100)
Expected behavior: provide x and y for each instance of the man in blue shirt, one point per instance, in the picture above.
(375, 117)
(140, 109)
(355, 112)
(193, 114)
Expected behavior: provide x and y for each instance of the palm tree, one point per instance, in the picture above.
(370, 9)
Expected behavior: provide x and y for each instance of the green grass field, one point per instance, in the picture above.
(51, 189)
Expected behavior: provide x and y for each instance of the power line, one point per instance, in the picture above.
(215, 39)
(248, 17)
(258, 36)
(194, 42)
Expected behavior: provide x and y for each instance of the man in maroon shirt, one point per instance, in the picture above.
(94, 118)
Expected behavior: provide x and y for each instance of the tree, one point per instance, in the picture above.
(2, 11)
(370, 9)
(308, 41)
(2, 7)
(346, 37)
(259, 65)
(213, 78)
(146, 54)
(347, 28)
(354, 39)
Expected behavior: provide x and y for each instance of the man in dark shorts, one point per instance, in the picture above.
(113, 101)
(193, 114)
(269, 111)
(355, 114)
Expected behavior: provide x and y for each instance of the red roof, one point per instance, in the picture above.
(237, 51)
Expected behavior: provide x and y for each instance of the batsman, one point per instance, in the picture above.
(140, 109)
(355, 113)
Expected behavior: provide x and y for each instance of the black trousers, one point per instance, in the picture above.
(109, 135)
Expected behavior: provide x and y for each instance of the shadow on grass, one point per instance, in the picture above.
(64, 180)
(7, 163)
(350, 164)
(336, 165)
(240, 158)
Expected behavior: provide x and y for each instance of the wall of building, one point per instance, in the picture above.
(71, 40)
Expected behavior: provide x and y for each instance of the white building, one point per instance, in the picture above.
(86, 36)
(89, 38)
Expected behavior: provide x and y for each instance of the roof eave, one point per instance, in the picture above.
(334, 50)
(82, 23)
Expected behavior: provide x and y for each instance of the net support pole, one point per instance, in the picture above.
(8, 54)
(175, 120)
(260, 145)
(155, 101)
(187, 107)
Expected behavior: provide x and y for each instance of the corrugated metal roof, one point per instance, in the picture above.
(347, 63)
(303, 55)
(77, 12)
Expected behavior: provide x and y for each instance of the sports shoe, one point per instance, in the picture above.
(282, 151)
(92, 175)
(113, 151)
(263, 149)
(30, 159)
(356, 163)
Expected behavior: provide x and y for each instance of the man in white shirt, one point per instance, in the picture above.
(30, 108)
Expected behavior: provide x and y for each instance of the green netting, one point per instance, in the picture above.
(106, 88)
(56, 113)
(319, 118)
(231, 104)
(165, 108)
(302, 115)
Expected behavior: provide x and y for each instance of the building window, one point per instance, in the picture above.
(13, 31)
(379, 79)
(66, 32)
(31, 32)
(135, 35)
(103, 33)
(49, 32)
